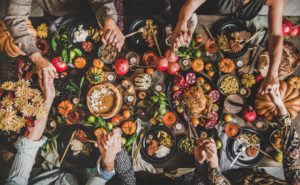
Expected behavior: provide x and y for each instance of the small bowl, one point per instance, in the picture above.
(223, 78)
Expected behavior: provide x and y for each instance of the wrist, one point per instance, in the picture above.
(107, 166)
(35, 57)
(213, 163)
(108, 22)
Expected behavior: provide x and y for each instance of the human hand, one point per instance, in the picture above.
(199, 152)
(49, 89)
(181, 36)
(270, 82)
(111, 34)
(109, 146)
(206, 150)
(41, 64)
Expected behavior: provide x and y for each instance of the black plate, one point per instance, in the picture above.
(227, 26)
(152, 159)
(233, 146)
(211, 83)
(64, 138)
(136, 42)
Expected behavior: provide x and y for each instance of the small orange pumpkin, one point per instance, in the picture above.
(226, 65)
(128, 127)
(99, 131)
(64, 107)
(169, 119)
(98, 63)
(80, 62)
(197, 65)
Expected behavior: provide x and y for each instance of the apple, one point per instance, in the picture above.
(249, 114)
(59, 64)
(121, 66)
(171, 56)
(173, 68)
(162, 63)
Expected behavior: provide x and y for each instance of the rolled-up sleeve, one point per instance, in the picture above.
(24, 160)
(104, 9)
(17, 14)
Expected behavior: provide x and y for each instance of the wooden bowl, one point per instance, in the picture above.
(109, 104)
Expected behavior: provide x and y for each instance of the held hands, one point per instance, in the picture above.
(109, 146)
(206, 150)
(111, 34)
(270, 82)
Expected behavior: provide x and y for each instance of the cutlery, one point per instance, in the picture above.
(238, 155)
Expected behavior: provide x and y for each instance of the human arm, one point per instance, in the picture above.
(275, 45)
(28, 146)
(183, 32)
(106, 13)
(206, 151)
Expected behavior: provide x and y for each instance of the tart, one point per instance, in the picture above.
(104, 100)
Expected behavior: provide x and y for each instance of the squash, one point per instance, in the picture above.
(98, 63)
(226, 65)
(129, 127)
(265, 107)
(294, 81)
(80, 62)
(197, 65)
(7, 44)
(143, 81)
(95, 75)
(64, 107)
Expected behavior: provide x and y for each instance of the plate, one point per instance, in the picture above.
(63, 140)
(104, 100)
(137, 42)
(153, 159)
(233, 147)
(172, 96)
(228, 26)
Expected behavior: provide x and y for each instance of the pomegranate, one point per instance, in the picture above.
(286, 27)
(173, 68)
(171, 56)
(59, 64)
(162, 63)
(121, 66)
(249, 114)
(295, 31)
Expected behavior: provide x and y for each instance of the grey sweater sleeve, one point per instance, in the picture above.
(124, 169)
(104, 9)
(17, 14)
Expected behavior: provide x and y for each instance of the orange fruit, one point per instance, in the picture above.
(149, 71)
(210, 73)
(231, 129)
(169, 119)
(227, 118)
(195, 122)
(126, 114)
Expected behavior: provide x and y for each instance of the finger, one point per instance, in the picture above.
(40, 82)
(178, 44)
(112, 37)
(181, 40)
(107, 35)
(101, 32)
(184, 37)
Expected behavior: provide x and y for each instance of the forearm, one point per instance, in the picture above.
(275, 51)
(17, 14)
(104, 9)
(215, 177)
(188, 8)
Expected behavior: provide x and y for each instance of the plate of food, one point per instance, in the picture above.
(80, 151)
(229, 85)
(158, 145)
(232, 37)
(276, 140)
(104, 100)
(251, 140)
(144, 41)
(193, 96)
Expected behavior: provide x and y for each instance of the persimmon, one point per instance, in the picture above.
(169, 119)
(231, 129)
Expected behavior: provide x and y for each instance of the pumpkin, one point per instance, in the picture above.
(64, 107)
(98, 63)
(142, 81)
(265, 107)
(197, 65)
(99, 131)
(7, 44)
(226, 65)
(169, 119)
(80, 62)
(294, 81)
(95, 75)
(128, 127)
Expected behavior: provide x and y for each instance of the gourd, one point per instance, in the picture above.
(7, 44)
(265, 107)
(142, 81)
(80, 62)
(128, 127)
(226, 65)
(197, 65)
(64, 107)
(294, 81)
(95, 75)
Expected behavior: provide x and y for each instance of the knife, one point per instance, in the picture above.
(259, 50)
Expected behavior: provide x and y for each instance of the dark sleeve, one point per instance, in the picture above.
(124, 169)
(17, 14)
(104, 9)
(290, 155)
(215, 177)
